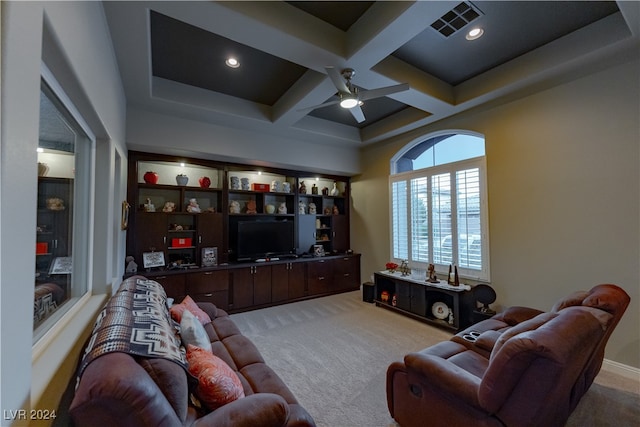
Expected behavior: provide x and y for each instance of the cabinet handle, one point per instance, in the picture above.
(164, 240)
(208, 295)
(321, 278)
(199, 239)
(161, 277)
(346, 274)
(208, 273)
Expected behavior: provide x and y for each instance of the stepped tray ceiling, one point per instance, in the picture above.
(171, 56)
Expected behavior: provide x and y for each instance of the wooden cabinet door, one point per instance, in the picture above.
(280, 282)
(241, 280)
(210, 233)
(262, 284)
(296, 280)
(340, 233)
(151, 234)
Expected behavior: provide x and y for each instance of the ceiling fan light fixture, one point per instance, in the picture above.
(474, 33)
(232, 62)
(349, 102)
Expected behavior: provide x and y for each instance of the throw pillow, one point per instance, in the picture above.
(192, 332)
(189, 304)
(218, 384)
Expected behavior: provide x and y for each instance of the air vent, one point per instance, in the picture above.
(456, 19)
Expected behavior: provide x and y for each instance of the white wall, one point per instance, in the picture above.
(564, 191)
(78, 51)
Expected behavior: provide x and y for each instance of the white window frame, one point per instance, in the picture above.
(482, 274)
(82, 254)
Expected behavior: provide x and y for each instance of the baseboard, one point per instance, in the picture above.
(625, 371)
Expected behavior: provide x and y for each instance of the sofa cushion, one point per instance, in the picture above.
(189, 304)
(218, 384)
(192, 332)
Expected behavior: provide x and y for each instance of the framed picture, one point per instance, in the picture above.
(318, 250)
(209, 257)
(153, 259)
(61, 265)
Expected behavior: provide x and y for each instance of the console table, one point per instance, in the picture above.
(439, 304)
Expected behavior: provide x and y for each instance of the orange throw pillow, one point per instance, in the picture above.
(218, 384)
(189, 304)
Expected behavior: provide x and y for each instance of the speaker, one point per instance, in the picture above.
(368, 291)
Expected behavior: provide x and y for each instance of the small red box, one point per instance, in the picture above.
(260, 187)
(42, 248)
(181, 243)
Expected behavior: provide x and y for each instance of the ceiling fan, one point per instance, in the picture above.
(350, 97)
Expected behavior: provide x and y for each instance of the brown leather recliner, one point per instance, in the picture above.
(522, 367)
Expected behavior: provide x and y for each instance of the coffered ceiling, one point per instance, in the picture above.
(171, 55)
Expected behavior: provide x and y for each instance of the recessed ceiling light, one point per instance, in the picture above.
(475, 33)
(232, 62)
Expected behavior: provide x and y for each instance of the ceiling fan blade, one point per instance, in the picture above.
(383, 91)
(357, 113)
(337, 80)
(320, 105)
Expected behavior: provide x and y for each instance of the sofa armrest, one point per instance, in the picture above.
(445, 376)
(260, 409)
(209, 308)
(516, 314)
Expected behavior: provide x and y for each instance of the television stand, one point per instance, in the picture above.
(438, 304)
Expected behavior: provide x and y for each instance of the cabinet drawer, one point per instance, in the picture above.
(219, 298)
(173, 285)
(207, 281)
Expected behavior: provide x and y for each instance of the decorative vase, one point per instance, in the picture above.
(270, 208)
(151, 177)
(205, 182)
(182, 179)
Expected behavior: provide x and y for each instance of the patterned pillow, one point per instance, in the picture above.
(189, 304)
(192, 332)
(218, 384)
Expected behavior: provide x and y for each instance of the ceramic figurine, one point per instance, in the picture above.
(312, 208)
(335, 210)
(432, 277)
(169, 207)
(302, 208)
(303, 188)
(276, 186)
(334, 190)
(251, 207)
(235, 183)
(286, 187)
(193, 206)
(282, 209)
(244, 184)
(149, 207)
(234, 207)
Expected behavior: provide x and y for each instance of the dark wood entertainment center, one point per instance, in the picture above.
(162, 221)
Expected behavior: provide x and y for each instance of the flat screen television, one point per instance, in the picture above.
(264, 239)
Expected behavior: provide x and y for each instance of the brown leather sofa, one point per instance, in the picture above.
(120, 389)
(522, 367)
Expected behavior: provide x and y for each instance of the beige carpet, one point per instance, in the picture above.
(333, 353)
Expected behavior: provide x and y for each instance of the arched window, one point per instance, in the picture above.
(439, 204)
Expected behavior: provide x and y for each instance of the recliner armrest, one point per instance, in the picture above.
(260, 409)
(443, 375)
